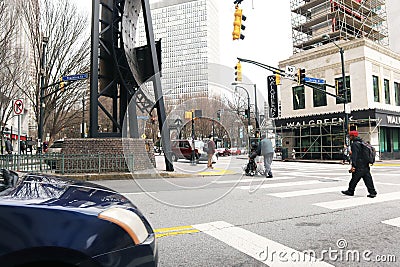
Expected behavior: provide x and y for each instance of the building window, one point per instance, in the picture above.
(319, 97)
(375, 84)
(299, 101)
(397, 93)
(387, 91)
(339, 89)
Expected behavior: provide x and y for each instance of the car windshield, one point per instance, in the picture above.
(57, 144)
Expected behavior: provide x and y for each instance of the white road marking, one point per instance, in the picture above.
(249, 180)
(394, 222)
(247, 187)
(258, 247)
(138, 193)
(358, 201)
(308, 192)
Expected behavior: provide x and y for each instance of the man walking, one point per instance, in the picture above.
(359, 168)
(210, 151)
(267, 151)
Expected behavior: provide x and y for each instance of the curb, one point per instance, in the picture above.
(124, 176)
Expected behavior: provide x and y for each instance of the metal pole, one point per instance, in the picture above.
(256, 110)
(41, 100)
(157, 86)
(248, 115)
(346, 115)
(193, 160)
(83, 117)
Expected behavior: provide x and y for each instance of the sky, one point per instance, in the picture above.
(268, 36)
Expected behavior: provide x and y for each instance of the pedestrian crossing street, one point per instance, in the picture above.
(316, 180)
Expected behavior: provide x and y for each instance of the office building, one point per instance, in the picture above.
(312, 122)
(188, 30)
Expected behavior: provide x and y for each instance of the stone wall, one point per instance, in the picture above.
(107, 154)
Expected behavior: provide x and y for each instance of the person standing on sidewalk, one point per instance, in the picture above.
(359, 168)
(210, 151)
(266, 150)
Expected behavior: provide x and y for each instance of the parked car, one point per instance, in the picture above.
(235, 151)
(223, 152)
(182, 149)
(53, 221)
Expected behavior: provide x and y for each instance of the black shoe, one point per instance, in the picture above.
(371, 195)
(348, 193)
(269, 176)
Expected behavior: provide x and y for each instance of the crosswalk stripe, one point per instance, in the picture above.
(358, 201)
(249, 180)
(307, 192)
(394, 222)
(256, 246)
(274, 185)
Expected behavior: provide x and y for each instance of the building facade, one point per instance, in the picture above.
(312, 122)
(188, 30)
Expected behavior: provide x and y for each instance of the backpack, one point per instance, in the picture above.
(368, 152)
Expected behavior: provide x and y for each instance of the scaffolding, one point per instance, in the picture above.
(324, 141)
(339, 19)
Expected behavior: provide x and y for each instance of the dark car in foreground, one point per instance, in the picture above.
(51, 221)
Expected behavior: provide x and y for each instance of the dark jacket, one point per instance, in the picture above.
(357, 160)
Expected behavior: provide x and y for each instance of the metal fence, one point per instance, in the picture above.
(71, 163)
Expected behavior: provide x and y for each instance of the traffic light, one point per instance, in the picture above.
(277, 79)
(218, 115)
(339, 88)
(301, 75)
(237, 24)
(238, 72)
(247, 113)
(61, 86)
(153, 120)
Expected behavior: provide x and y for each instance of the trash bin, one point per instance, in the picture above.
(285, 153)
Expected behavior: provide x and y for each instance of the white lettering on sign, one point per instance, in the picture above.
(393, 119)
(319, 121)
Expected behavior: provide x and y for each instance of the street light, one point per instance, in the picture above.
(255, 102)
(248, 102)
(346, 110)
(41, 100)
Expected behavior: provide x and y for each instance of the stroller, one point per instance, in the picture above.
(252, 168)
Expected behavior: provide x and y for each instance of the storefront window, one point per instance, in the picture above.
(375, 85)
(319, 97)
(299, 101)
(387, 91)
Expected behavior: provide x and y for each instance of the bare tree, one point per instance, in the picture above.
(12, 61)
(67, 53)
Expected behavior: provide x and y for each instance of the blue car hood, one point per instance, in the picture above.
(52, 191)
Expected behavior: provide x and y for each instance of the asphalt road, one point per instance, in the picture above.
(227, 219)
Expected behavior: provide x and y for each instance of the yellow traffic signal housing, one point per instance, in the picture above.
(237, 24)
(301, 75)
(238, 72)
(61, 85)
(277, 79)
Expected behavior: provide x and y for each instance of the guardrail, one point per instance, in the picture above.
(68, 163)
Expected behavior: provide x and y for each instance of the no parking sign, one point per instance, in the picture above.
(18, 107)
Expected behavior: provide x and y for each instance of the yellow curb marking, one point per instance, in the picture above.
(387, 164)
(217, 172)
(171, 231)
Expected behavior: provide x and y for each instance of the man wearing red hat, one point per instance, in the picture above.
(359, 168)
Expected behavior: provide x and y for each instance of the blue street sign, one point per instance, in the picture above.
(314, 80)
(142, 117)
(75, 77)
